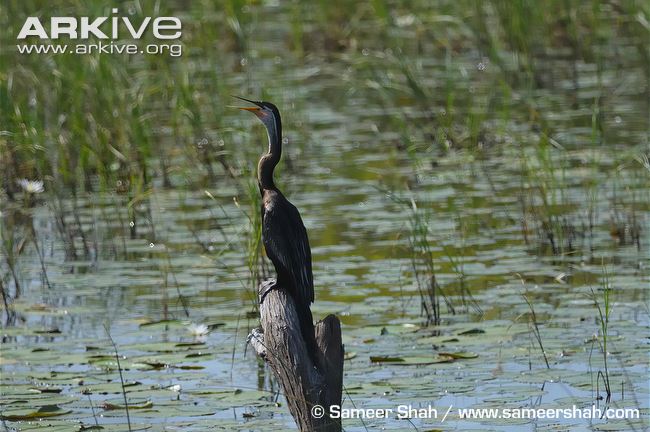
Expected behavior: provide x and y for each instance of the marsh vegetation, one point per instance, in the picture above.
(474, 178)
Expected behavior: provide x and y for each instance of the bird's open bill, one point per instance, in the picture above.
(252, 109)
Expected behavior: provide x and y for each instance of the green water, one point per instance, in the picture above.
(527, 178)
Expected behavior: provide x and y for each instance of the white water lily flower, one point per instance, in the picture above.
(198, 329)
(31, 186)
(404, 20)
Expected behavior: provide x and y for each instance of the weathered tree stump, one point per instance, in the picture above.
(280, 343)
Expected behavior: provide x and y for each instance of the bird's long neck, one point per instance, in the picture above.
(268, 162)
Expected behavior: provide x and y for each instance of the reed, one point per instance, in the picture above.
(603, 305)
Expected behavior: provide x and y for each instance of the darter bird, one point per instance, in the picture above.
(283, 232)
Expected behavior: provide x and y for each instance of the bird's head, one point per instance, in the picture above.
(268, 114)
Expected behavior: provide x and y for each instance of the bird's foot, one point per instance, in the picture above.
(267, 286)
(256, 333)
(256, 340)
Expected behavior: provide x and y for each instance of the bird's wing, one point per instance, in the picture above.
(286, 243)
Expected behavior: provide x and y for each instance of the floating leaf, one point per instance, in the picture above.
(459, 355)
(473, 331)
(189, 344)
(42, 412)
(417, 361)
(198, 354)
(143, 405)
(385, 359)
(46, 389)
(48, 331)
(162, 323)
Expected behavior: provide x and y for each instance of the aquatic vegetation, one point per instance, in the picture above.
(604, 311)
(31, 186)
(198, 329)
(119, 369)
(534, 324)
(513, 134)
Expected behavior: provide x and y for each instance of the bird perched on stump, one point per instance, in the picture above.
(283, 232)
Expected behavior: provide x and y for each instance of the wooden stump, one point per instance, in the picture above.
(279, 342)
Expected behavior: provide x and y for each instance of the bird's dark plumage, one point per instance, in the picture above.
(286, 243)
(283, 232)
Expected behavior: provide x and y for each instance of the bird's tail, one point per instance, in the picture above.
(306, 321)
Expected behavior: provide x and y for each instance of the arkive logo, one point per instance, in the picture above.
(114, 27)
